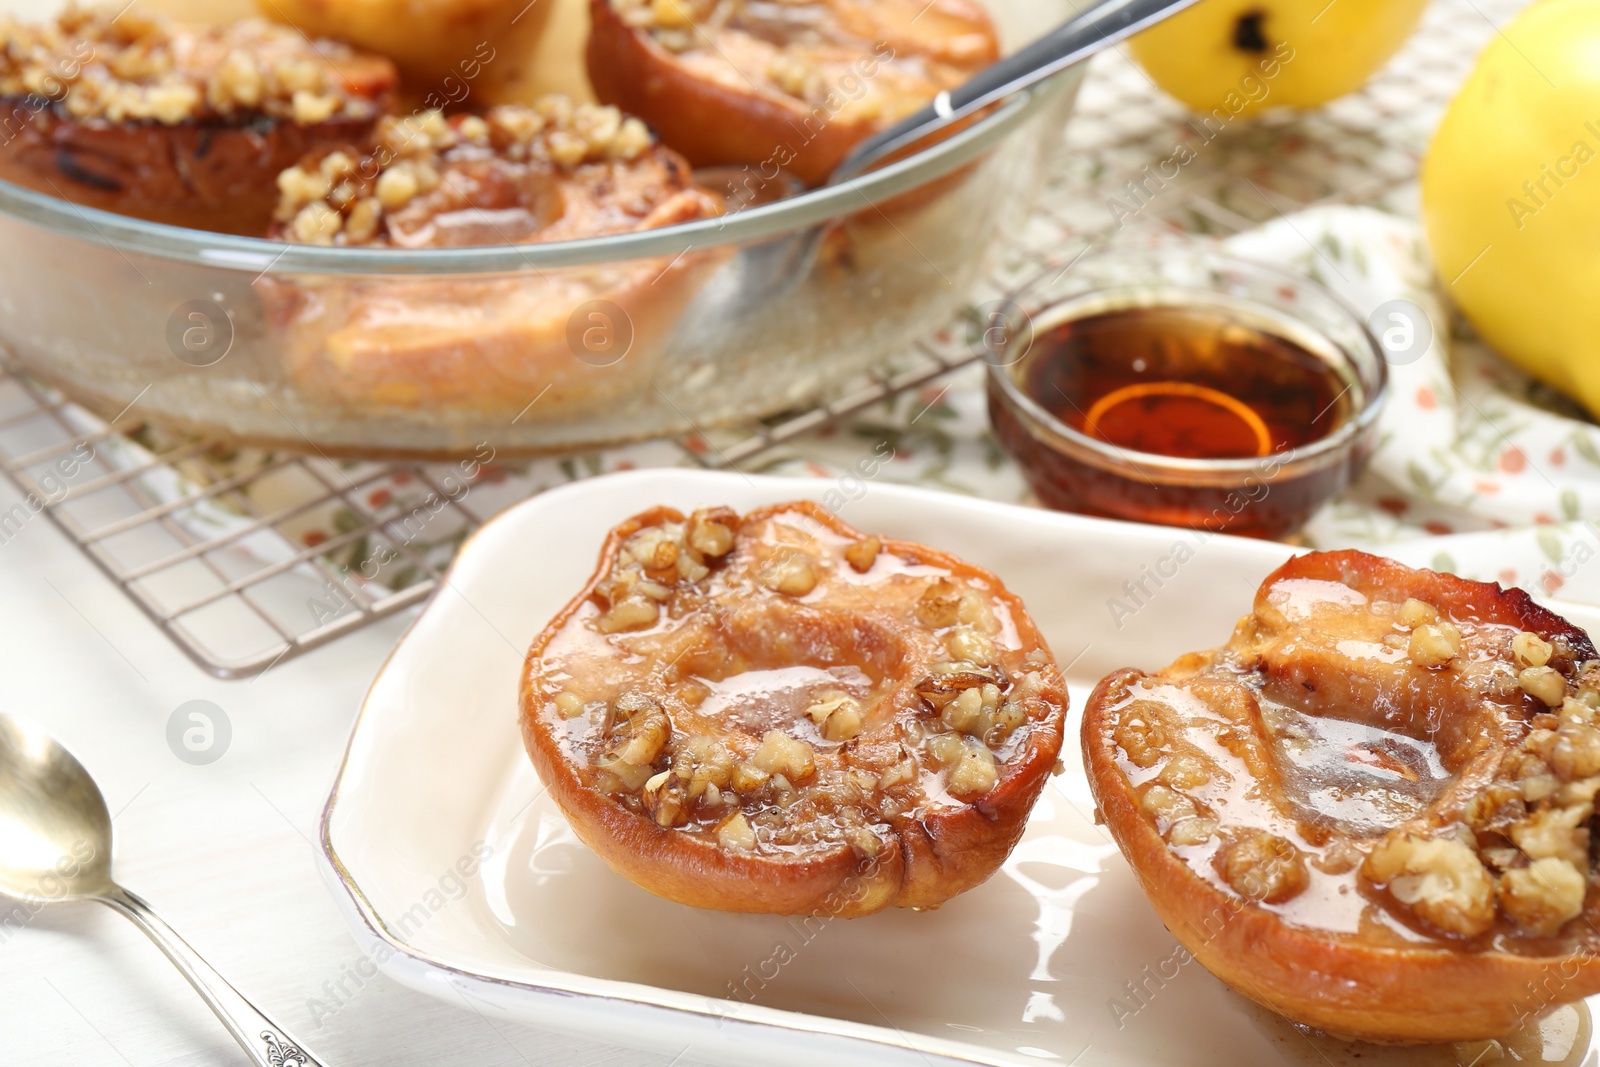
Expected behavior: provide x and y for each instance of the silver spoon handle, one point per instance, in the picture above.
(1100, 27)
(264, 1041)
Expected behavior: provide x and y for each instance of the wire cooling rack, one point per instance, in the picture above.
(227, 551)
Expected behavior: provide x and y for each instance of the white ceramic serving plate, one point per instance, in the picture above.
(1031, 966)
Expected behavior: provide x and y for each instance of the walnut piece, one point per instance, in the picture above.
(1441, 879)
(1261, 866)
(1435, 644)
(1543, 896)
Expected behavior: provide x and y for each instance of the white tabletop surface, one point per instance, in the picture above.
(224, 852)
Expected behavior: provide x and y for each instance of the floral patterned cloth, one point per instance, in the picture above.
(1480, 469)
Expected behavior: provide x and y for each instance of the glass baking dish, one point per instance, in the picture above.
(534, 347)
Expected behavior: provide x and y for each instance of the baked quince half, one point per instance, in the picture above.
(553, 171)
(447, 50)
(1371, 809)
(775, 713)
(790, 86)
(177, 123)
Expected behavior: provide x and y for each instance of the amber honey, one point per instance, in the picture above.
(1196, 415)
(1185, 382)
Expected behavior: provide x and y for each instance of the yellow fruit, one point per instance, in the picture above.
(1240, 56)
(1511, 196)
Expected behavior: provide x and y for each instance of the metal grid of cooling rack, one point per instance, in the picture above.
(183, 527)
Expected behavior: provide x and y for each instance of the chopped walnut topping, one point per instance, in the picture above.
(633, 139)
(1195, 830)
(631, 613)
(940, 605)
(945, 681)
(1536, 780)
(796, 77)
(1442, 879)
(1543, 896)
(837, 715)
(1142, 737)
(1574, 710)
(965, 713)
(1555, 832)
(1185, 772)
(643, 728)
(237, 83)
(1414, 613)
(1531, 650)
(1575, 752)
(654, 548)
(1261, 866)
(400, 183)
(707, 765)
(317, 224)
(791, 572)
(747, 778)
(397, 186)
(863, 554)
(309, 108)
(735, 833)
(1545, 684)
(361, 224)
(665, 799)
(1166, 804)
(968, 644)
(974, 774)
(104, 65)
(566, 148)
(647, 569)
(781, 754)
(1435, 644)
(901, 773)
(673, 14)
(711, 532)
(473, 129)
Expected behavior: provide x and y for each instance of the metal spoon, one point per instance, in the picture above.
(1072, 42)
(769, 269)
(55, 845)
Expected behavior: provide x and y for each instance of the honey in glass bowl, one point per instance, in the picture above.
(1240, 405)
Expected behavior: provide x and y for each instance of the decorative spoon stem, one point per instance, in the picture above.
(263, 1040)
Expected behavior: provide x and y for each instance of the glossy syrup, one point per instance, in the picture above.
(1561, 1037)
(1188, 383)
(1356, 779)
(1185, 381)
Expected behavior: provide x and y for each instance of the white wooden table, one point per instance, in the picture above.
(224, 851)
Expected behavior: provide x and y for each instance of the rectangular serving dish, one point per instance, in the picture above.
(462, 879)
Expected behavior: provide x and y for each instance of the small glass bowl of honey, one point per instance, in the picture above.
(1186, 388)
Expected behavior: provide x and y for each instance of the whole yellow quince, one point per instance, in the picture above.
(1240, 56)
(1511, 196)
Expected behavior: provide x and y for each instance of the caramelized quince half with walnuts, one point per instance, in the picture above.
(1371, 810)
(775, 713)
